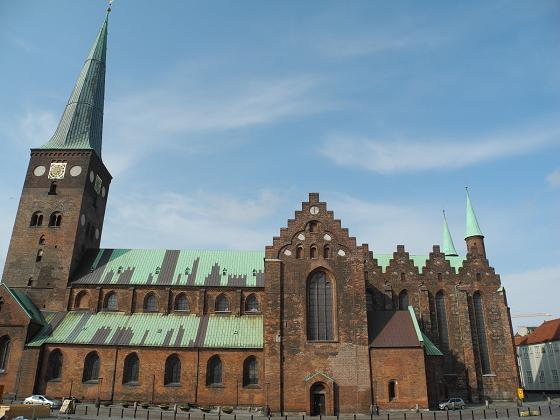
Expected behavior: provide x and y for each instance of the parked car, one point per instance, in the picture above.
(452, 404)
(41, 399)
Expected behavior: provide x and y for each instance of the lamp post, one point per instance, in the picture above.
(99, 382)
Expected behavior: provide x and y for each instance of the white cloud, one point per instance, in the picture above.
(401, 156)
(553, 178)
(183, 115)
(533, 291)
(195, 221)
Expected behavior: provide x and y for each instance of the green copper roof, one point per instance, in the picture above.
(447, 246)
(419, 261)
(81, 125)
(155, 330)
(472, 228)
(429, 348)
(28, 307)
(172, 268)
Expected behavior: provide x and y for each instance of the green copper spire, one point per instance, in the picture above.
(81, 125)
(472, 228)
(447, 246)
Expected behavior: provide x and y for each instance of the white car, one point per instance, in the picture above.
(42, 400)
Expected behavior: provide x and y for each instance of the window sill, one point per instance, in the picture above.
(131, 384)
(252, 313)
(215, 386)
(173, 385)
(488, 375)
(253, 386)
(54, 380)
(321, 341)
(91, 382)
(222, 312)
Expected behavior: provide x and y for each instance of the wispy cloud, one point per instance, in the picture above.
(197, 220)
(30, 129)
(553, 178)
(183, 115)
(401, 156)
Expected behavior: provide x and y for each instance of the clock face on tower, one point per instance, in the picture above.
(57, 170)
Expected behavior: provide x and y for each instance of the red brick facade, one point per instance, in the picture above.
(341, 374)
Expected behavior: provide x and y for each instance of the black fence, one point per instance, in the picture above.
(155, 413)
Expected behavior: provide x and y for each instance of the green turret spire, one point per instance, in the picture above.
(81, 125)
(447, 246)
(472, 228)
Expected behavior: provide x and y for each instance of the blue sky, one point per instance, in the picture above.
(221, 116)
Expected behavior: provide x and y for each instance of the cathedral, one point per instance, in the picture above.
(313, 323)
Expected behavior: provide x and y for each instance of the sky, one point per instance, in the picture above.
(221, 117)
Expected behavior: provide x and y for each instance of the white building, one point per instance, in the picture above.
(538, 357)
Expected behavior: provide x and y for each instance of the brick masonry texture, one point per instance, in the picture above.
(353, 376)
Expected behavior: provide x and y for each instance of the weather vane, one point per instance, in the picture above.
(109, 8)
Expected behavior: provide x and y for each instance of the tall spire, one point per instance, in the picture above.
(81, 125)
(472, 227)
(448, 248)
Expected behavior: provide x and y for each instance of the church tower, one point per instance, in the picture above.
(62, 205)
(473, 234)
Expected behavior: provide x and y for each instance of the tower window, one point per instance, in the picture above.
(36, 219)
(39, 256)
(312, 227)
(181, 303)
(251, 303)
(52, 189)
(403, 276)
(42, 240)
(326, 252)
(56, 219)
(111, 302)
(392, 390)
(299, 252)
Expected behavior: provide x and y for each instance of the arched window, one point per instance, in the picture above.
(56, 219)
(131, 369)
(214, 371)
(110, 302)
(181, 303)
(403, 300)
(4, 352)
(150, 303)
(326, 251)
(442, 320)
(299, 252)
(54, 365)
(251, 303)
(480, 329)
(36, 219)
(319, 307)
(222, 304)
(172, 370)
(39, 256)
(313, 252)
(42, 240)
(392, 391)
(52, 189)
(250, 371)
(82, 300)
(312, 227)
(91, 367)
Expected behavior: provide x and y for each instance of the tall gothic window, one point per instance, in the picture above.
(181, 303)
(91, 367)
(319, 308)
(131, 369)
(480, 329)
(172, 370)
(442, 320)
(403, 300)
(214, 371)
(4, 352)
(250, 372)
(111, 302)
(222, 304)
(251, 303)
(150, 303)
(54, 365)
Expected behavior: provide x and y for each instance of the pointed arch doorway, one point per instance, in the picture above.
(318, 399)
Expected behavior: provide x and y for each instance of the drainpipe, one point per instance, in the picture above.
(196, 377)
(114, 374)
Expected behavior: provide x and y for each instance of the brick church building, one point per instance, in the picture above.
(314, 323)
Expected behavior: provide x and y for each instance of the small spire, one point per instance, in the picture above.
(472, 227)
(448, 248)
(81, 125)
